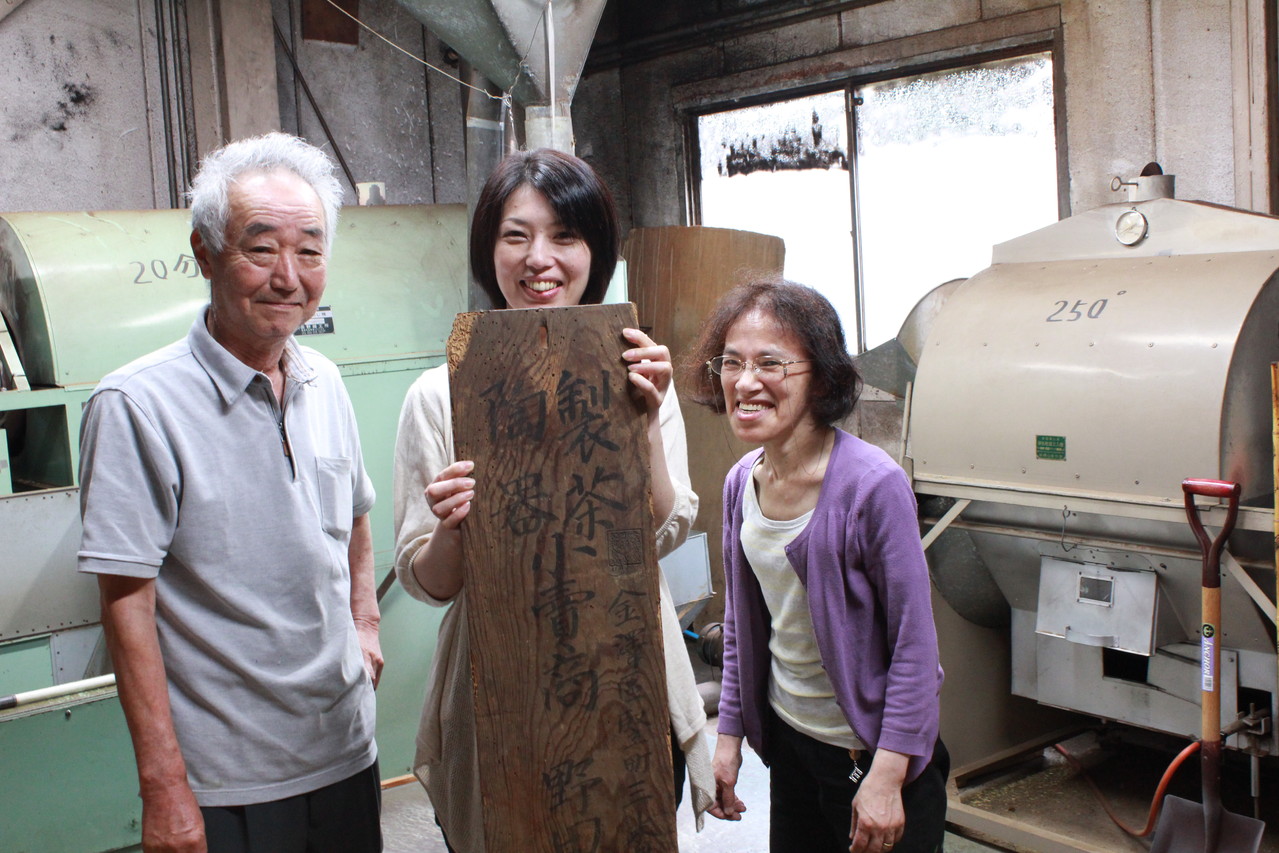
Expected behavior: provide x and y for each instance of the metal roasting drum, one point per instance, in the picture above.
(82, 293)
(1061, 397)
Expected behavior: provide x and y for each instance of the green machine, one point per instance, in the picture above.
(80, 295)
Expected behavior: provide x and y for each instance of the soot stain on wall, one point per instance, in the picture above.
(72, 97)
(75, 102)
(78, 99)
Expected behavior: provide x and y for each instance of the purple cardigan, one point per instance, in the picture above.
(870, 599)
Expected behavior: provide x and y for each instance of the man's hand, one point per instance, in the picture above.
(367, 631)
(171, 821)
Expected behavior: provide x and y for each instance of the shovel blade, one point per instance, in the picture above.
(1181, 830)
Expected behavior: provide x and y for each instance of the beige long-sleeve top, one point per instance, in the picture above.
(447, 761)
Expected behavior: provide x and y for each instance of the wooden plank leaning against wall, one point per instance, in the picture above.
(676, 276)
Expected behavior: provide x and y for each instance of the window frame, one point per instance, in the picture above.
(850, 83)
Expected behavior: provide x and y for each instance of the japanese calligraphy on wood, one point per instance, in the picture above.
(561, 584)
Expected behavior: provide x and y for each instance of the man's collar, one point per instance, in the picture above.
(295, 365)
(232, 376)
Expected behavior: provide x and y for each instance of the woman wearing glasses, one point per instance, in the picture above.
(544, 235)
(830, 652)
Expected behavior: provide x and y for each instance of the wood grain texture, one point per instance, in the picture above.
(561, 584)
(676, 275)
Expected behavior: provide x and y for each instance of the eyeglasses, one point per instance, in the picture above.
(731, 367)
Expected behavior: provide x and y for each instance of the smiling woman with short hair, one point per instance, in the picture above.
(830, 653)
(544, 235)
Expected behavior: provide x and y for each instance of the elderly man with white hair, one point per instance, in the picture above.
(225, 508)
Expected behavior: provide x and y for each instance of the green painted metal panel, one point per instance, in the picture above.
(409, 627)
(409, 630)
(25, 665)
(88, 292)
(42, 448)
(55, 426)
(12, 401)
(377, 398)
(69, 784)
(75, 398)
(41, 593)
(396, 280)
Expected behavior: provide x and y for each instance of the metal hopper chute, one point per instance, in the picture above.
(532, 49)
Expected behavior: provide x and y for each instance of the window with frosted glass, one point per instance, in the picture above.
(947, 164)
(782, 169)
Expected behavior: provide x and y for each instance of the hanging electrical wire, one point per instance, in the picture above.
(505, 97)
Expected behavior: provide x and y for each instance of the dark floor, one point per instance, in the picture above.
(408, 824)
(1123, 767)
(1041, 793)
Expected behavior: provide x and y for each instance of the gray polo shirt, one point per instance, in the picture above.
(185, 478)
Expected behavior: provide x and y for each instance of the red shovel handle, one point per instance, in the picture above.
(1210, 488)
(1211, 547)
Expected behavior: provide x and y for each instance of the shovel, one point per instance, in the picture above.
(1185, 826)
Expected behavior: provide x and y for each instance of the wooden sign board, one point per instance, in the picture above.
(561, 584)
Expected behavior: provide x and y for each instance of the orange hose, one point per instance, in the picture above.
(1160, 791)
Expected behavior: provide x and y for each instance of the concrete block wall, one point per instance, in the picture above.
(107, 104)
(395, 120)
(81, 120)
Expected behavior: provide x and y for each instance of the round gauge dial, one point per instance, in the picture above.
(1131, 227)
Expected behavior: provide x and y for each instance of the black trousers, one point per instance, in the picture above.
(344, 817)
(811, 796)
(678, 763)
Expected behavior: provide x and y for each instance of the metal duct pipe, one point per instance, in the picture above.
(533, 49)
(487, 142)
(530, 51)
(1152, 183)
